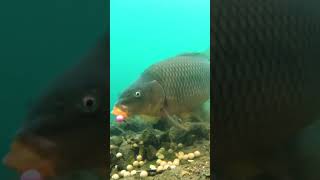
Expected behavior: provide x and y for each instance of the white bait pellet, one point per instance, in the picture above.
(118, 155)
(115, 176)
(143, 174)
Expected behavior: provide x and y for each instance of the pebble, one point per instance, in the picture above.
(169, 163)
(170, 151)
(180, 145)
(143, 174)
(139, 157)
(165, 167)
(129, 167)
(183, 172)
(197, 153)
(118, 155)
(190, 160)
(115, 176)
(172, 167)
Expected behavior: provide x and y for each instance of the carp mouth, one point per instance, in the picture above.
(23, 157)
(120, 110)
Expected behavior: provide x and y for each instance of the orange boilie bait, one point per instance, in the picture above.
(119, 112)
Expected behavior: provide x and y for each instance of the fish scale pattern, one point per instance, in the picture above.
(185, 80)
(265, 76)
(264, 61)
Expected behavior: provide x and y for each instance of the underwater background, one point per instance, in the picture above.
(39, 40)
(143, 32)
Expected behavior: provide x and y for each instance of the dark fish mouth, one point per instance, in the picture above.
(23, 157)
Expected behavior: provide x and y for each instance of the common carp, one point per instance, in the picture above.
(174, 86)
(265, 56)
(65, 130)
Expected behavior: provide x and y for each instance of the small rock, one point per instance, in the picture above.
(116, 140)
(183, 172)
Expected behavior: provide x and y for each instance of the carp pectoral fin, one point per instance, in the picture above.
(174, 121)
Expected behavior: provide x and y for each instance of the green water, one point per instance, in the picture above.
(39, 40)
(143, 32)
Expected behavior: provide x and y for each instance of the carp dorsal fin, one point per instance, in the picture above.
(191, 54)
(205, 54)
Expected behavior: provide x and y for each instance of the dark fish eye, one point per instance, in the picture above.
(137, 94)
(89, 101)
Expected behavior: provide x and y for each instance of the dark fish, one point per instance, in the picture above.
(266, 82)
(177, 85)
(65, 130)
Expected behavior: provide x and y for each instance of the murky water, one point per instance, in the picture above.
(39, 40)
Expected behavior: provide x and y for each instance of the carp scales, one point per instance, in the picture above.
(175, 86)
(265, 56)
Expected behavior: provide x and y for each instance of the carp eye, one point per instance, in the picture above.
(137, 94)
(89, 102)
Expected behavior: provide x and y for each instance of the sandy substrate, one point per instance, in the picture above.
(198, 169)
